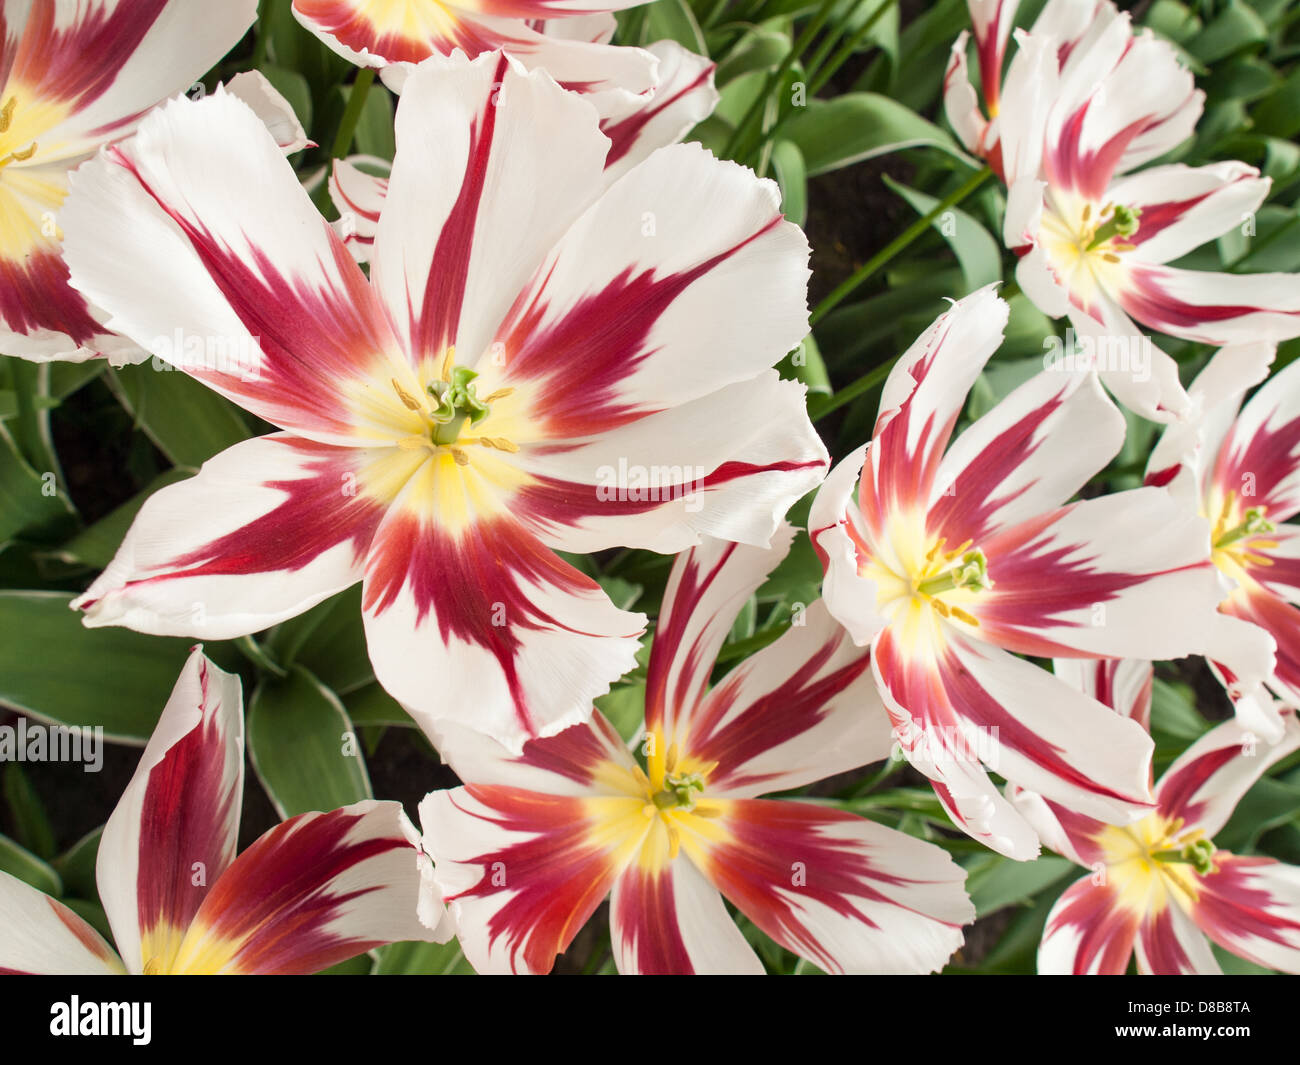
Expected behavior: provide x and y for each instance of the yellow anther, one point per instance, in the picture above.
(461, 458)
(7, 113)
(1110, 258)
(961, 615)
(938, 546)
(500, 393)
(670, 759)
(1258, 560)
(408, 400)
(448, 360)
(944, 609)
(674, 841)
(414, 443)
(20, 157)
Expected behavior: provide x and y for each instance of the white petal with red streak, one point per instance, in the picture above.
(1088, 932)
(267, 529)
(673, 921)
(1205, 783)
(706, 590)
(842, 891)
(684, 95)
(312, 892)
(516, 647)
(1169, 944)
(160, 232)
(493, 164)
(146, 63)
(520, 873)
(1030, 453)
(1251, 907)
(802, 709)
(179, 815)
(728, 465)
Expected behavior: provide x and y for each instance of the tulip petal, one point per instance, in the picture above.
(484, 625)
(844, 892)
(310, 893)
(1205, 783)
(1169, 944)
(479, 192)
(671, 921)
(267, 529)
(521, 871)
(253, 295)
(1251, 907)
(174, 830)
(41, 936)
(1088, 932)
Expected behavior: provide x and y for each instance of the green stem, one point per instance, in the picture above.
(847, 49)
(740, 138)
(828, 41)
(898, 244)
(352, 113)
(848, 393)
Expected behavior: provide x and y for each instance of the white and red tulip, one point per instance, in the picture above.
(1160, 886)
(310, 893)
(531, 845)
(75, 76)
(954, 561)
(532, 345)
(1239, 468)
(1086, 103)
(567, 38)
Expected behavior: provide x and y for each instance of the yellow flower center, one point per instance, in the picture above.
(1155, 861)
(1085, 243)
(1238, 537)
(919, 578)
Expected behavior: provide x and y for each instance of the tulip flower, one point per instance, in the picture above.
(568, 39)
(74, 77)
(1160, 886)
(1086, 104)
(538, 362)
(954, 561)
(1239, 468)
(528, 848)
(310, 893)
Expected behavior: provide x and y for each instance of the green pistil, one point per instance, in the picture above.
(1199, 855)
(1254, 524)
(457, 403)
(1123, 222)
(679, 791)
(971, 572)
